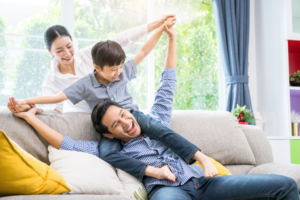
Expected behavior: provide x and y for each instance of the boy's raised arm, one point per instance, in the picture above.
(151, 43)
(44, 99)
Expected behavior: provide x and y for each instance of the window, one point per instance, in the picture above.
(24, 60)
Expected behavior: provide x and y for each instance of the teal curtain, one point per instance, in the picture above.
(232, 26)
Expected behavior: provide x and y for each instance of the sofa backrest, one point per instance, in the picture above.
(217, 134)
(77, 126)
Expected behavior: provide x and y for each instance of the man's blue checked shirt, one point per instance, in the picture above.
(146, 149)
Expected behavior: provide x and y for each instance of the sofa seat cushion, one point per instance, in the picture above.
(239, 169)
(216, 133)
(289, 170)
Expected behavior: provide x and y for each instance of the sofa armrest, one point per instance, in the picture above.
(259, 144)
(289, 170)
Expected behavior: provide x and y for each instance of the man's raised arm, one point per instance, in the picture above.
(163, 104)
(53, 137)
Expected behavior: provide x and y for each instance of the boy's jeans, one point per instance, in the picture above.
(232, 187)
(109, 149)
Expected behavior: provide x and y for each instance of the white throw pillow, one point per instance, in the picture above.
(85, 173)
(132, 186)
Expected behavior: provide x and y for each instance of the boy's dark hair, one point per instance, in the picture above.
(108, 53)
(98, 113)
(53, 32)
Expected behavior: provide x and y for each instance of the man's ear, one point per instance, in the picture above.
(108, 135)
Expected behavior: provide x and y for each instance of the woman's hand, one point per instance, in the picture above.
(15, 106)
(158, 23)
(166, 17)
(27, 114)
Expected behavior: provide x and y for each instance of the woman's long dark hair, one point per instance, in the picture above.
(53, 32)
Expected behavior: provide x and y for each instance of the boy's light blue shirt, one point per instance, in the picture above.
(90, 90)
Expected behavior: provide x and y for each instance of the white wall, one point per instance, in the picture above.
(252, 58)
(269, 52)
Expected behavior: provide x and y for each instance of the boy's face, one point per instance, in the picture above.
(110, 73)
(121, 124)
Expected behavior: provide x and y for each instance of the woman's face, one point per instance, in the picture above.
(63, 50)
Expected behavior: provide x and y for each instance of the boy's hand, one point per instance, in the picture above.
(28, 114)
(14, 106)
(209, 169)
(165, 173)
(170, 30)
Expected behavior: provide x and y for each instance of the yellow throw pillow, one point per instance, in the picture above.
(21, 173)
(221, 169)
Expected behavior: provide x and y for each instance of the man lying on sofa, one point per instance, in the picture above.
(166, 172)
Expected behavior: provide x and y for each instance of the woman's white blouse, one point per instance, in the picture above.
(55, 82)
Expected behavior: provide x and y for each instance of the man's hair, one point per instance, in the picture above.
(108, 53)
(98, 113)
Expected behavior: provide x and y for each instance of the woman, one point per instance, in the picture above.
(68, 65)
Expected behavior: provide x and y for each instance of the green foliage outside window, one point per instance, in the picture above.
(197, 60)
(197, 81)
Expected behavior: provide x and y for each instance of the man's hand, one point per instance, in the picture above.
(165, 173)
(209, 169)
(14, 106)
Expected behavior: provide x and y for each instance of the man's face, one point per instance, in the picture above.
(121, 124)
